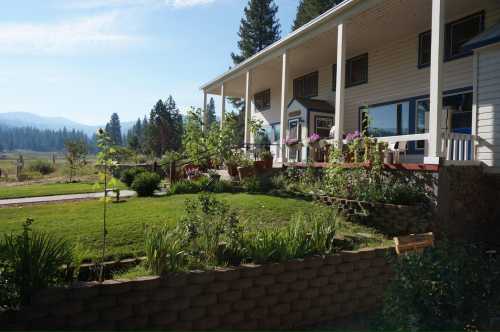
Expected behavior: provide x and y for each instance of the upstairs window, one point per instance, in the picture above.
(334, 77)
(306, 86)
(357, 70)
(424, 46)
(460, 32)
(262, 100)
(457, 33)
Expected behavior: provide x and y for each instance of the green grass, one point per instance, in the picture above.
(81, 222)
(48, 189)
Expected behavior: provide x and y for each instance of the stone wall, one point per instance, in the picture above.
(286, 295)
(390, 219)
(468, 205)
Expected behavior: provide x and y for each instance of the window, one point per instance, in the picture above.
(334, 78)
(387, 120)
(294, 129)
(460, 32)
(424, 46)
(273, 133)
(422, 120)
(458, 118)
(357, 70)
(262, 100)
(322, 125)
(306, 86)
(457, 34)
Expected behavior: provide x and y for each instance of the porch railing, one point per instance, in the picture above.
(458, 147)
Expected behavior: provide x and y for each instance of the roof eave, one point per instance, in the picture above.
(344, 6)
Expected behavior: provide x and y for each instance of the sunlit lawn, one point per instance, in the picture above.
(82, 221)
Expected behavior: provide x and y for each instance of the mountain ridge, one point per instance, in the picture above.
(26, 119)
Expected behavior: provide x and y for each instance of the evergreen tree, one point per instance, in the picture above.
(259, 28)
(310, 9)
(114, 129)
(164, 131)
(211, 113)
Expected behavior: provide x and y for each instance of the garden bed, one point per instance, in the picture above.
(390, 219)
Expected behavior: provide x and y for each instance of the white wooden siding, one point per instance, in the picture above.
(488, 106)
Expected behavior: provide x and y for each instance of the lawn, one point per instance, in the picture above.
(47, 189)
(81, 222)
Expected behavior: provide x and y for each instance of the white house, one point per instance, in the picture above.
(403, 64)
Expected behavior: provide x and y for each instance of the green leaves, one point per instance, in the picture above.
(32, 261)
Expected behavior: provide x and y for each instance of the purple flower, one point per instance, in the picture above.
(352, 136)
(314, 138)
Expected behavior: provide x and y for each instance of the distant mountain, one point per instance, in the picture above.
(24, 119)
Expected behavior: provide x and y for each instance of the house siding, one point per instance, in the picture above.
(488, 106)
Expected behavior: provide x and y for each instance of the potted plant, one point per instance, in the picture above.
(267, 158)
(232, 162)
(246, 169)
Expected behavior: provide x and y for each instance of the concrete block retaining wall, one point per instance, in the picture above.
(276, 296)
(391, 219)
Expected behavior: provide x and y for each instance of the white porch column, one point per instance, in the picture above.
(340, 85)
(436, 84)
(248, 105)
(283, 117)
(222, 105)
(205, 109)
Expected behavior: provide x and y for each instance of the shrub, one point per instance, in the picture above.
(164, 252)
(257, 184)
(32, 261)
(184, 187)
(42, 166)
(146, 183)
(128, 176)
(449, 287)
(203, 184)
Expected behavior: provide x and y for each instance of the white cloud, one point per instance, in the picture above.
(97, 4)
(95, 33)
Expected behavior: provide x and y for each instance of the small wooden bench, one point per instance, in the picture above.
(413, 242)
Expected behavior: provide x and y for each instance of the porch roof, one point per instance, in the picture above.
(285, 42)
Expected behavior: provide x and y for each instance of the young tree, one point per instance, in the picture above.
(76, 154)
(114, 129)
(259, 28)
(310, 9)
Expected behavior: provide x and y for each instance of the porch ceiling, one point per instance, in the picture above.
(384, 23)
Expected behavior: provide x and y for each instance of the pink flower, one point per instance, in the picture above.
(314, 138)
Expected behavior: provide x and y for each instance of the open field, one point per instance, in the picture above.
(8, 161)
(81, 222)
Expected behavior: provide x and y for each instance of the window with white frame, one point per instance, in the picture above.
(322, 125)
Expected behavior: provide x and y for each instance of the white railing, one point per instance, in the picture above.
(404, 138)
(458, 147)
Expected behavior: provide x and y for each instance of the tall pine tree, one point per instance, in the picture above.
(114, 129)
(211, 113)
(259, 28)
(164, 131)
(310, 9)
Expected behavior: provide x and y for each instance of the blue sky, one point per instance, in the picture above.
(85, 59)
